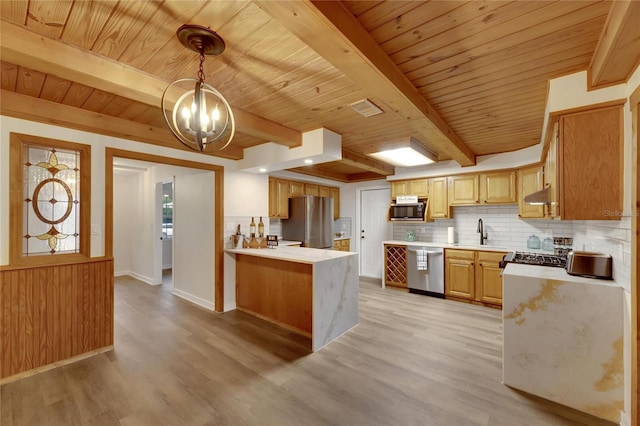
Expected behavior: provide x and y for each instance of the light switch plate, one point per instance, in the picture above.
(95, 229)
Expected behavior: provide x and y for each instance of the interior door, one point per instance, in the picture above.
(374, 229)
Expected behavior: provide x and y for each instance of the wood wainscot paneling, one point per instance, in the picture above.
(276, 290)
(53, 313)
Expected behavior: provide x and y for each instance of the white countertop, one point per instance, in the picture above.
(552, 273)
(288, 243)
(450, 246)
(294, 254)
(341, 238)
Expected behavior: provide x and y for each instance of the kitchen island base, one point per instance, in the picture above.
(310, 291)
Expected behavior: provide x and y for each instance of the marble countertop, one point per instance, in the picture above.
(450, 246)
(341, 238)
(294, 254)
(551, 273)
(288, 243)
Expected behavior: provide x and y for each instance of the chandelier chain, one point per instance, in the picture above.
(201, 68)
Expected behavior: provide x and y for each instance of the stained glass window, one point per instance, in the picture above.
(51, 209)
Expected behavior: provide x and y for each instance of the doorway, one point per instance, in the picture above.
(202, 186)
(165, 205)
(374, 229)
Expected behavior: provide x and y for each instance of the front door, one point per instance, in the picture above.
(374, 229)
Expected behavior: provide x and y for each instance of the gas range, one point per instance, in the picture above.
(540, 259)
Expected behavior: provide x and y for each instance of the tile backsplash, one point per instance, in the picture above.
(506, 229)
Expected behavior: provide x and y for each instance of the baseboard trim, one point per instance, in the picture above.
(142, 278)
(194, 299)
(53, 365)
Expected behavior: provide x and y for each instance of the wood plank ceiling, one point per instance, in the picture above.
(481, 66)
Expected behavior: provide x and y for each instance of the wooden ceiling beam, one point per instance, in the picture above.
(318, 171)
(25, 48)
(29, 108)
(334, 33)
(618, 52)
(365, 163)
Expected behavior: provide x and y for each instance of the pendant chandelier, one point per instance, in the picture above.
(196, 113)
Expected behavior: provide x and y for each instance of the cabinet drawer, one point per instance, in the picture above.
(459, 254)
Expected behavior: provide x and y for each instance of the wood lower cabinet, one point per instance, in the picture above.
(342, 245)
(474, 276)
(459, 274)
(489, 277)
(395, 265)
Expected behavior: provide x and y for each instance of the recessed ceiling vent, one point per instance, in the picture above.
(366, 108)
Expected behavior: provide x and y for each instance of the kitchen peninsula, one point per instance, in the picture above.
(310, 291)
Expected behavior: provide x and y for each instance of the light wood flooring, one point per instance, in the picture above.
(412, 360)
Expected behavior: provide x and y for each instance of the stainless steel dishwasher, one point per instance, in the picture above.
(429, 281)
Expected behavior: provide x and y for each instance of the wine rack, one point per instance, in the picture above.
(396, 266)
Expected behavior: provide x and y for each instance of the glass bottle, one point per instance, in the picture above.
(252, 228)
(260, 228)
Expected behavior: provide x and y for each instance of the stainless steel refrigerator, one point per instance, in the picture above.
(310, 221)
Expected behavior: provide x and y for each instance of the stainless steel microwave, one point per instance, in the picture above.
(413, 211)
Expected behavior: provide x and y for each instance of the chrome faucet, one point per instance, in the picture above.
(483, 234)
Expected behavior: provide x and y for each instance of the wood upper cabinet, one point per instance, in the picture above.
(463, 189)
(335, 194)
(399, 188)
(296, 189)
(551, 175)
(460, 274)
(498, 187)
(590, 168)
(280, 190)
(489, 277)
(278, 198)
(419, 187)
(311, 189)
(474, 276)
(324, 191)
(438, 200)
(529, 181)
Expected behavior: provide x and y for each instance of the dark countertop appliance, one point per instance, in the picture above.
(581, 263)
(310, 221)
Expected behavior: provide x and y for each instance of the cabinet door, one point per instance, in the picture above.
(463, 190)
(591, 165)
(418, 187)
(459, 278)
(324, 191)
(398, 188)
(551, 174)
(395, 265)
(498, 188)
(336, 245)
(529, 181)
(489, 277)
(311, 189)
(335, 194)
(278, 198)
(438, 202)
(345, 245)
(296, 189)
(273, 197)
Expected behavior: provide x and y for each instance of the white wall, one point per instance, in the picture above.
(194, 238)
(123, 211)
(98, 144)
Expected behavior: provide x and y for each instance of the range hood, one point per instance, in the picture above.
(539, 198)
